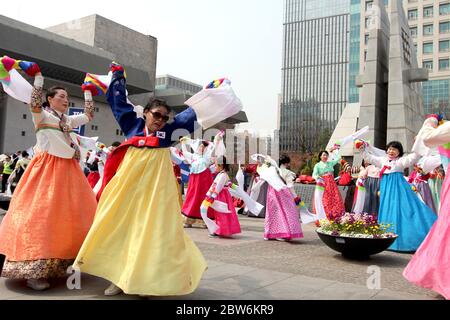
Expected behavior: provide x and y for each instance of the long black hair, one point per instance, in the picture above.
(223, 162)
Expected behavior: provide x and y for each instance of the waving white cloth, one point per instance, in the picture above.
(237, 191)
(18, 87)
(213, 105)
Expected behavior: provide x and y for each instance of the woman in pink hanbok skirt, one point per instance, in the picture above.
(430, 265)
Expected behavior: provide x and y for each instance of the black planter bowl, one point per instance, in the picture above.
(356, 248)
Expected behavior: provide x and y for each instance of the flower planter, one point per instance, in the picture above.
(356, 248)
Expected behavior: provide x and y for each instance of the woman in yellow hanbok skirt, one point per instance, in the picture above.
(137, 240)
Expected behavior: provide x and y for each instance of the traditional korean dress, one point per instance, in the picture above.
(53, 205)
(282, 220)
(399, 206)
(226, 222)
(137, 240)
(372, 187)
(430, 265)
(200, 179)
(436, 180)
(420, 181)
(327, 202)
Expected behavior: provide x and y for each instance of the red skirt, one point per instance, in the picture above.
(332, 200)
(198, 186)
(228, 223)
(93, 178)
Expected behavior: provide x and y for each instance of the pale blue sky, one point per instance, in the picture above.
(198, 40)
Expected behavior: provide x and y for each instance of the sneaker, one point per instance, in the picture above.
(38, 284)
(213, 235)
(266, 239)
(187, 225)
(112, 290)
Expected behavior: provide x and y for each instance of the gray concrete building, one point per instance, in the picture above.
(65, 61)
(391, 101)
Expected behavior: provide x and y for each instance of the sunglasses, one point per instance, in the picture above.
(158, 116)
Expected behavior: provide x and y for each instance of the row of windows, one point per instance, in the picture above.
(444, 9)
(444, 46)
(443, 64)
(427, 30)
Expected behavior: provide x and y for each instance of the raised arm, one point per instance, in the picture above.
(435, 136)
(36, 99)
(363, 148)
(127, 119)
(336, 157)
(409, 160)
(187, 155)
(88, 115)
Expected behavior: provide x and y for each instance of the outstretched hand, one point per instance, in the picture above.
(114, 66)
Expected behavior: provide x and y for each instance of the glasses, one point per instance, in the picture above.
(158, 116)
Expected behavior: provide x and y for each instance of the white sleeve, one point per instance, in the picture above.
(218, 184)
(376, 161)
(187, 155)
(433, 137)
(78, 120)
(409, 160)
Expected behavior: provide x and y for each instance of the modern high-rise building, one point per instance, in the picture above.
(429, 22)
(315, 71)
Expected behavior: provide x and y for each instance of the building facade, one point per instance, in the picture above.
(314, 72)
(64, 61)
(429, 23)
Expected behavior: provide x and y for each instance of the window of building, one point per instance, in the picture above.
(94, 127)
(413, 32)
(428, 47)
(412, 14)
(24, 116)
(444, 45)
(23, 133)
(443, 64)
(428, 65)
(444, 9)
(444, 27)
(366, 39)
(97, 109)
(428, 12)
(369, 5)
(427, 29)
(412, 1)
(119, 132)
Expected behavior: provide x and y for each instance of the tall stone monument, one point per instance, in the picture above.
(391, 103)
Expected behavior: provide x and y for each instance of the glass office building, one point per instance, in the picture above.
(355, 38)
(315, 71)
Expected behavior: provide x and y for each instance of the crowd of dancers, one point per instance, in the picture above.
(122, 223)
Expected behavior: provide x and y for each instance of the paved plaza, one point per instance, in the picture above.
(247, 267)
